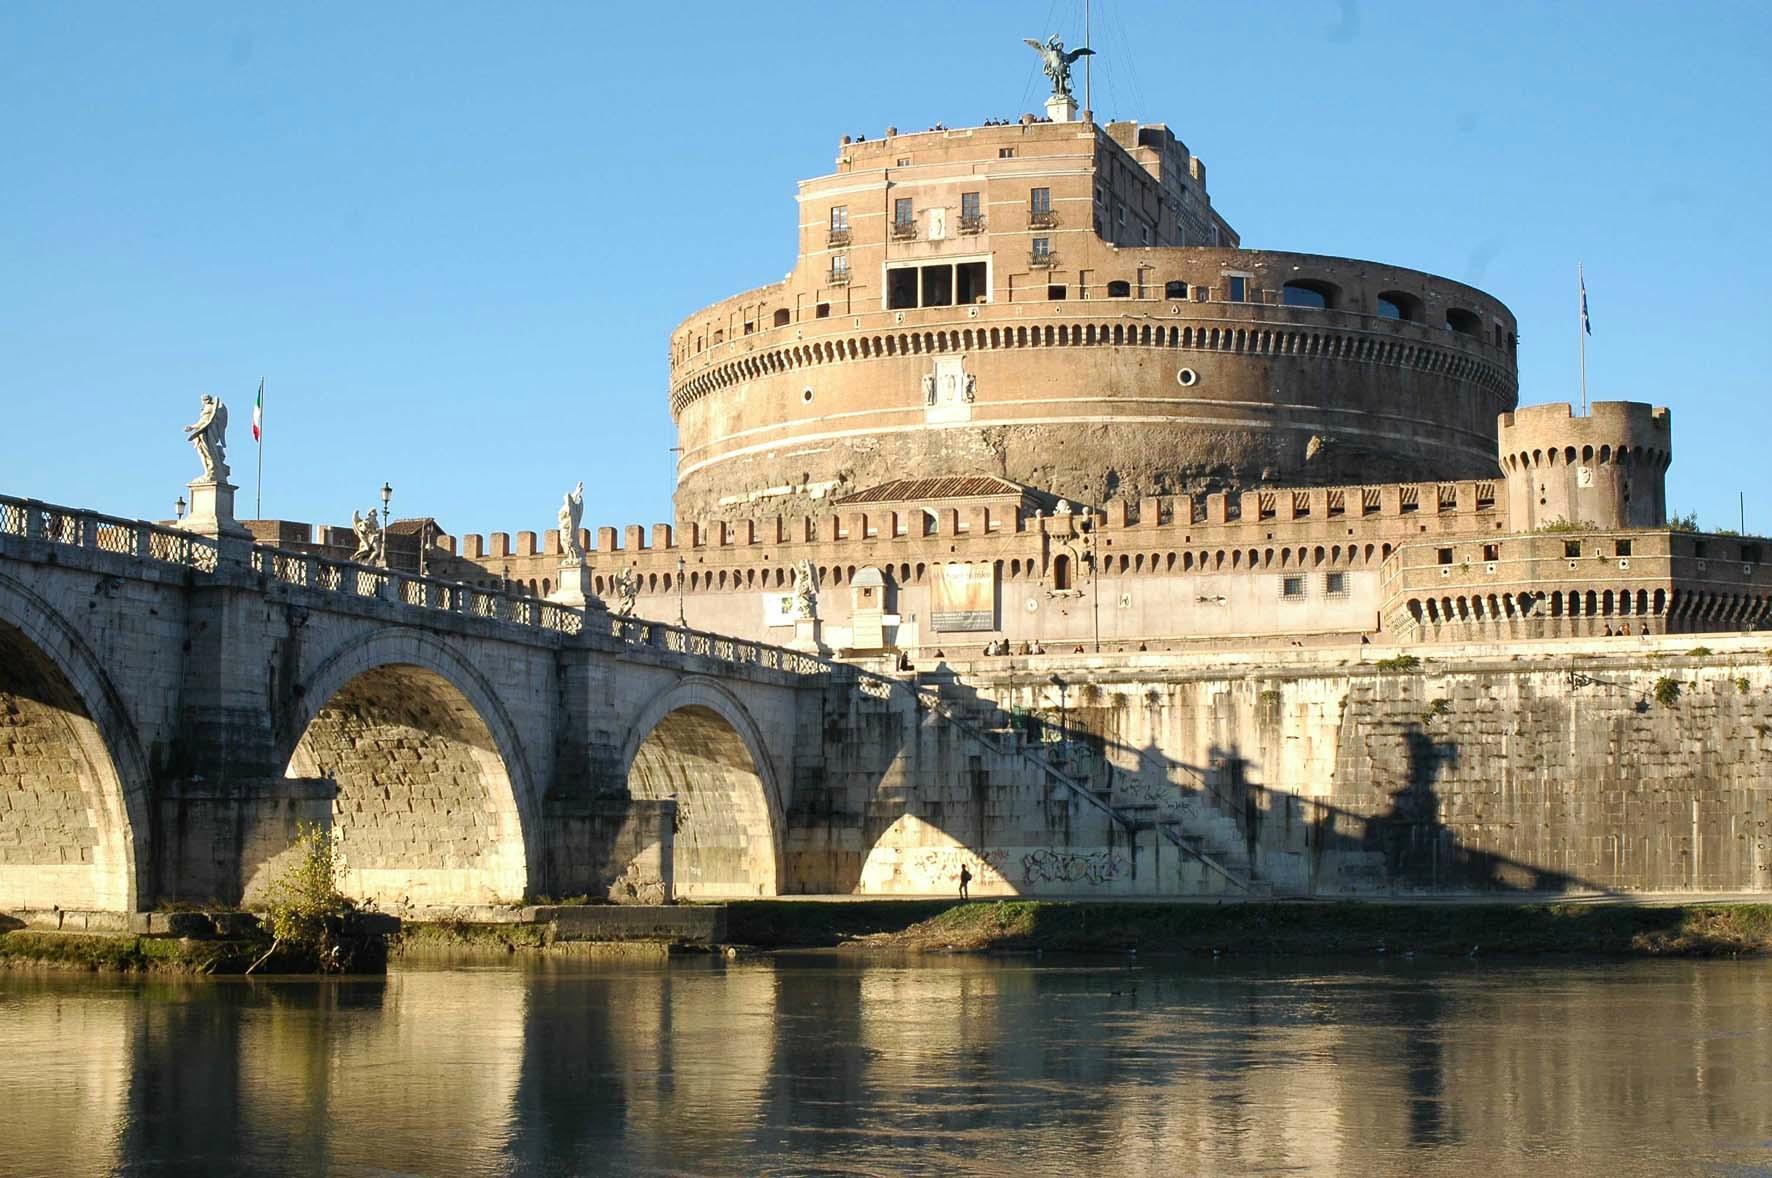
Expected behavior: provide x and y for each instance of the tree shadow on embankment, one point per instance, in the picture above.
(1401, 845)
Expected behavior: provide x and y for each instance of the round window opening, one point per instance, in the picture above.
(1187, 378)
(806, 395)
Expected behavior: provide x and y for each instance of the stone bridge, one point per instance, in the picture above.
(173, 705)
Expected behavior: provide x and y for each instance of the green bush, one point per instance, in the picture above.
(1402, 662)
(1700, 652)
(304, 909)
(1667, 691)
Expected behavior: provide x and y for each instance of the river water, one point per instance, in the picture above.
(822, 1064)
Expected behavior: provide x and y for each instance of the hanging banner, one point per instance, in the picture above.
(964, 597)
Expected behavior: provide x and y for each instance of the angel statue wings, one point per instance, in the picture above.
(209, 433)
(572, 511)
(1057, 63)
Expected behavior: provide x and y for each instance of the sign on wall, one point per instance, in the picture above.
(778, 608)
(964, 597)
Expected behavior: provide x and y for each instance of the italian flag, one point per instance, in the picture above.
(258, 414)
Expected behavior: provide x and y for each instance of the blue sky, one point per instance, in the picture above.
(455, 238)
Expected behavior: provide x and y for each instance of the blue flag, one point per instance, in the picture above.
(1585, 324)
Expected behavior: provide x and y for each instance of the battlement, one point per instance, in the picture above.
(1373, 506)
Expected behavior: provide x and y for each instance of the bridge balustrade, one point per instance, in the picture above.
(34, 520)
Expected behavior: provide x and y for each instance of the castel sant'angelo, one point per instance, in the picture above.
(1025, 390)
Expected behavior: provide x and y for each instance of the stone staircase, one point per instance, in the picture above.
(1194, 823)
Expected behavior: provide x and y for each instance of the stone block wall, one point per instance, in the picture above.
(226, 844)
(1557, 768)
(612, 848)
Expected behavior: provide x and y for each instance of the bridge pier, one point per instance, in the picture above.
(223, 844)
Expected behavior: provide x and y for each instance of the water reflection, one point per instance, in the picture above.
(963, 1066)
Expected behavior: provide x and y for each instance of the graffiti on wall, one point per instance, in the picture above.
(1050, 866)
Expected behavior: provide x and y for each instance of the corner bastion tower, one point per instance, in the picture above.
(1059, 304)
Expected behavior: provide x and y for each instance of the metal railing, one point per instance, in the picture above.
(309, 571)
(679, 640)
(33, 520)
(839, 276)
(904, 230)
(838, 237)
(1043, 259)
(1042, 219)
(972, 224)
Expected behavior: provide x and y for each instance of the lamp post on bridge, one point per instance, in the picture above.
(681, 565)
(387, 497)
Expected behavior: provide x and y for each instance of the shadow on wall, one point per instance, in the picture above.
(1403, 843)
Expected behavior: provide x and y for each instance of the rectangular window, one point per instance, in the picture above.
(903, 214)
(904, 161)
(1444, 555)
(840, 265)
(1005, 153)
(839, 218)
(969, 205)
(1335, 584)
(1572, 548)
(1622, 548)
(1292, 587)
(1040, 200)
(1055, 293)
(1236, 288)
(1491, 552)
(1042, 247)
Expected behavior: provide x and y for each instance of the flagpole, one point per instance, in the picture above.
(1581, 332)
(258, 481)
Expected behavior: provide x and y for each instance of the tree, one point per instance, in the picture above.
(304, 909)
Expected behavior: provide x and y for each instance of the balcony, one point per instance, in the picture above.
(839, 276)
(972, 224)
(904, 231)
(1043, 259)
(838, 237)
(1042, 219)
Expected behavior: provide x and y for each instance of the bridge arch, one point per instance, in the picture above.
(695, 742)
(72, 771)
(435, 798)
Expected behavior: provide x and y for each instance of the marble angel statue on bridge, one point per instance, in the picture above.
(572, 513)
(209, 434)
(805, 590)
(368, 531)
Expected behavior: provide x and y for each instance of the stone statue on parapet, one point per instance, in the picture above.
(369, 538)
(209, 433)
(805, 590)
(627, 588)
(572, 511)
(1057, 63)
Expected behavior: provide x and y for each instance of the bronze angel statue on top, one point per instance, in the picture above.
(1057, 63)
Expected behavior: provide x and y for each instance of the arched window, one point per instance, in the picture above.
(1119, 289)
(1175, 290)
(1463, 322)
(1309, 292)
(781, 317)
(1061, 571)
(1397, 304)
